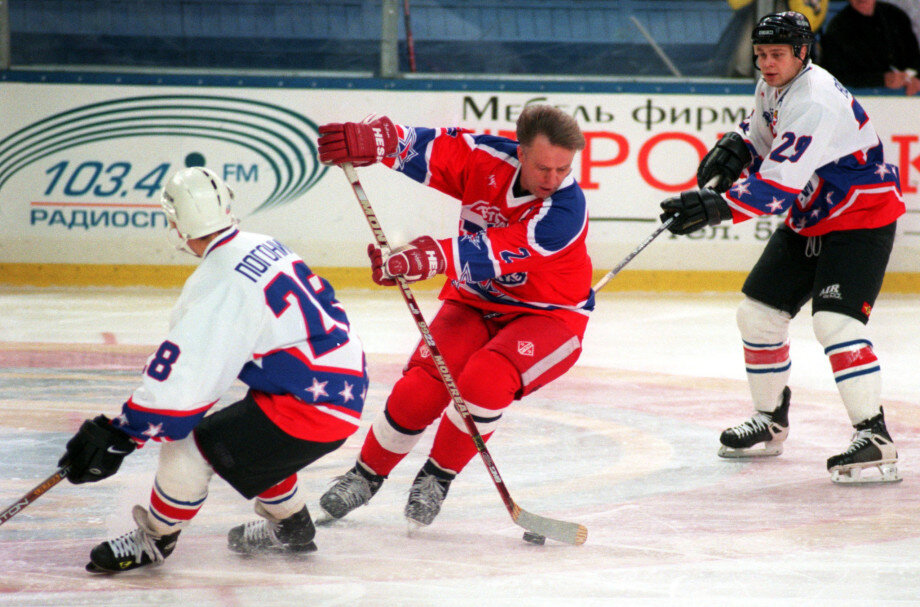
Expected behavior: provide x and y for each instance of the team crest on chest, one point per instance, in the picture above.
(492, 215)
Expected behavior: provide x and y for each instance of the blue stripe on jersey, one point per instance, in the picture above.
(500, 144)
(563, 222)
(283, 373)
(476, 261)
(484, 290)
(412, 160)
(147, 425)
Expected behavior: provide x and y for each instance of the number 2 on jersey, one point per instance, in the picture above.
(798, 144)
(315, 298)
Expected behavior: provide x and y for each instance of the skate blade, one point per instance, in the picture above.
(853, 474)
(324, 519)
(413, 526)
(94, 568)
(274, 550)
(768, 450)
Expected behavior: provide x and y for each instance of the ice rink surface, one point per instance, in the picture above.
(625, 444)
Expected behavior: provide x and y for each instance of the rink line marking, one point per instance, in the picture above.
(640, 453)
(111, 375)
(39, 405)
(39, 346)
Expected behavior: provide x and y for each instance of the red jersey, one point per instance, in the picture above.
(514, 252)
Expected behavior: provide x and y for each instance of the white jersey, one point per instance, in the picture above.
(253, 310)
(816, 155)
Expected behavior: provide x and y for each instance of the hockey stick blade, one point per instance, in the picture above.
(561, 531)
(554, 529)
(39, 490)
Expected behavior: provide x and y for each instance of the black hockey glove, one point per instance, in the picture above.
(693, 210)
(725, 162)
(95, 452)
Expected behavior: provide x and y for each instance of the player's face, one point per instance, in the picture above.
(778, 65)
(544, 166)
(864, 7)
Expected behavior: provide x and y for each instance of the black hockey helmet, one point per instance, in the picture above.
(789, 27)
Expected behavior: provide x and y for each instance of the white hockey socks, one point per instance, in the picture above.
(765, 335)
(180, 487)
(855, 366)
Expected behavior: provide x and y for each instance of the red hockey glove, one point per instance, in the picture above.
(360, 143)
(421, 259)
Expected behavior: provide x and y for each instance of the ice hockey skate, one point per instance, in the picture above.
(354, 489)
(293, 534)
(137, 548)
(427, 494)
(770, 429)
(871, 448)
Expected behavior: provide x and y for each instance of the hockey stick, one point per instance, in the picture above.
(561, 531)
(34, 494)
(664, 226)
(607, 277)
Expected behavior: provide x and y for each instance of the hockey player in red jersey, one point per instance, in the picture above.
(517, 296)
(252, 311)
(808, 150)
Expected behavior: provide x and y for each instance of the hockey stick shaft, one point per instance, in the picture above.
(664, 226)
(562, 531)
(39, 490)
(616, 270)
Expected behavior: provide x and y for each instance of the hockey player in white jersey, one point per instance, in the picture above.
(808, 150)
(252, 310)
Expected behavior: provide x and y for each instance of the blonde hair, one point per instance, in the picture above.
(561, 129)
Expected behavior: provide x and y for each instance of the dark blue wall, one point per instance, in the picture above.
(574, 37)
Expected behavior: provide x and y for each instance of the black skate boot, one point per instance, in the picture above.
(293, 534)
(354, 489)
(427, 494)
(137, 548)
(771, 429)
(871, 447)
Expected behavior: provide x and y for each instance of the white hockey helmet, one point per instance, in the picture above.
(198, 202)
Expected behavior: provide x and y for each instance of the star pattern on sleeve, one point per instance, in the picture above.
(776, 205)
(741, 188)
(882, 170)
(346, 392)
(318, 389)
(153, 430)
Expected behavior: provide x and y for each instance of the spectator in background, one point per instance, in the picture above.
(869, 44)
(911, 8)
(736, 38)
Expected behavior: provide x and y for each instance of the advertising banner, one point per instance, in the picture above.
(82, 165)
